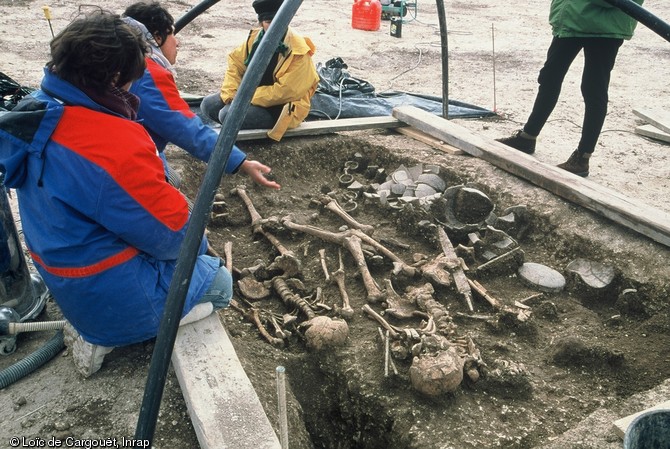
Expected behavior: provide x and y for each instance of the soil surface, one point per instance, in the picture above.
(574, 357)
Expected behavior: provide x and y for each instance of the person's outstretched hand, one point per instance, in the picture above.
(257, 171)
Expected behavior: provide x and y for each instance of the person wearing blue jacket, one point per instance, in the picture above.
(101, 222)
(598, 28)
(162, 111)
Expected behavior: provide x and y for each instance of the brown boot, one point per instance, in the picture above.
(520, 141)
(577, 163)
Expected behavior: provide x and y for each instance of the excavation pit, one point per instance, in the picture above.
(549, 361)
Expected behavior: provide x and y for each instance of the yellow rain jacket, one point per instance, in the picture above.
(295, 80)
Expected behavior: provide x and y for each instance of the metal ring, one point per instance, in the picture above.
(350, 206)
(350, 166)
(346, 180)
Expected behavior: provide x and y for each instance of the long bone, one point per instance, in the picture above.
(332, 205)
(338, 276)
(394, 332)
(351, 240)
(287, 261)
(335, 238)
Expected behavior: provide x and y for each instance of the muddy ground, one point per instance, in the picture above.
(580, 357)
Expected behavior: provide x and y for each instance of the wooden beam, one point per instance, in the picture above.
(619, 208)
(429, 140)
(223, 405)
(325, 127)
(657, 117)
(652, 132)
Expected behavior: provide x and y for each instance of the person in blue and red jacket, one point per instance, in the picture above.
(101, 222)
(162, 111)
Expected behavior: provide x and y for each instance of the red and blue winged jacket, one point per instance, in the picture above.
(168, 117)
(103, 226)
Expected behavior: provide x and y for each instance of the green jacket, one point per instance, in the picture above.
(590, 18)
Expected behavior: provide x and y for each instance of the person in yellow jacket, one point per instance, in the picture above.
(282, 99)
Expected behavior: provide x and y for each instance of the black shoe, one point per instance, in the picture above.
(577, 163)
(518, 142)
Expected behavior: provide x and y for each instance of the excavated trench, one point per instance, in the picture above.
(546, 356)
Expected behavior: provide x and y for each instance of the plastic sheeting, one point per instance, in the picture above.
(326, 106)
(340, 95)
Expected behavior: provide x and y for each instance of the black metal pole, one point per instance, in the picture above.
(643, 16)
(167, 331)
(193, 13)
(441, 18)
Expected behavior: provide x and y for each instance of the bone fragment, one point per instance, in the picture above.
(255, 318)
(481, 291)
(400, 307)
(322, 256)
(501, 259)
(386, 354)
(388, 359)
(531, 298)
(385, 324)
(332, 205)
(228, 253)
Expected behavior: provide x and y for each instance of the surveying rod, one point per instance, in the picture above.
(188, 253)
(643, 16)
(441, 18)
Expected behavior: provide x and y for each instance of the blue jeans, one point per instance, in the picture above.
(257, 117)
(221, 291)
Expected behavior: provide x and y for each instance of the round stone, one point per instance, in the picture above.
(541, 277)
(594, 274)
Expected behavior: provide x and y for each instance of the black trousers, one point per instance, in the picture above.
(599, 57)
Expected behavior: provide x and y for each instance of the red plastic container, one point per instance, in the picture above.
(366, 15)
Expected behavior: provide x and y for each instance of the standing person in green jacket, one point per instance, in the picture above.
(599, 29)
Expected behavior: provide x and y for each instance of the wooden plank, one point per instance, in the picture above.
(619, 208)
(429, 140)
(657, 117)
(223, 405)
(652, 132)
(325, 127)
(621, 425)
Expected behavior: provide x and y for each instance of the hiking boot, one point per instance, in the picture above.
(577, 163)
(520, 142)
(86, 356)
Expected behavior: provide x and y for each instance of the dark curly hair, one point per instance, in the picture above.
(152, 15)
(98, 51)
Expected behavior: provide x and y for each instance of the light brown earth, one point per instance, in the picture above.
(495, 52)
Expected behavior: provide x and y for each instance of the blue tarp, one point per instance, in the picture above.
(327, 106)
(341, 95)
